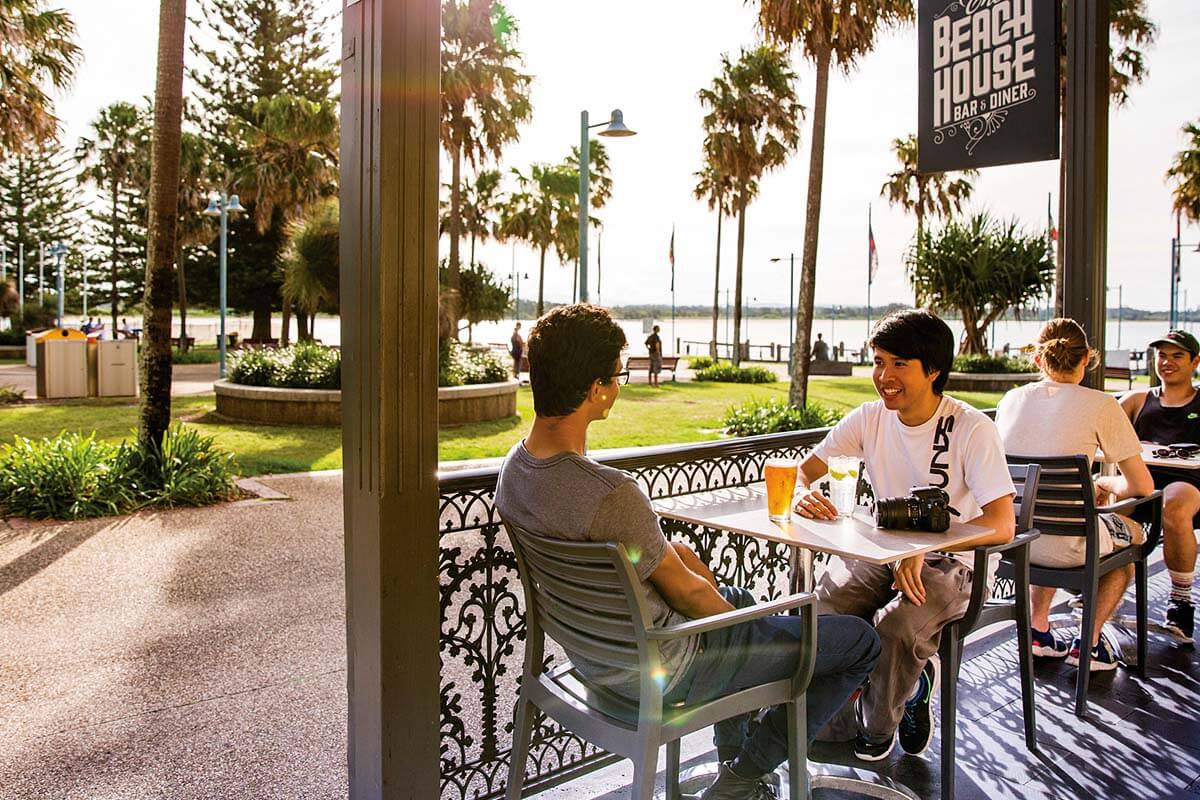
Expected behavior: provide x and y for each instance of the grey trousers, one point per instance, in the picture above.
(908, 634)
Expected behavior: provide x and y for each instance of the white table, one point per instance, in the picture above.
(1152, 460)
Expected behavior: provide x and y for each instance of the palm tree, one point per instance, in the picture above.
(478, 206)
(600, 187)
(154, 415)
(485, 96)
(717, 189)
(932, 193)
(37, 48)
(541, 213)
(752, 126)
(311, 263)
(829, 32)
(1185, 172)
(111, 162)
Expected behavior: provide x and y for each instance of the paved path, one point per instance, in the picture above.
(186, 378)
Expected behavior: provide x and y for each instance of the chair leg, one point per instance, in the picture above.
(1141, 595)
(645, 767)
(672, 782)
(1085, 651)
(798, 783)
(950, 651)
(522, 731)
(1025, 652)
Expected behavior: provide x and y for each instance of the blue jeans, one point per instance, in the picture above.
(766, 650)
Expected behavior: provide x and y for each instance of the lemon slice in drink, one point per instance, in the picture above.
(853, 473)
(837, 475)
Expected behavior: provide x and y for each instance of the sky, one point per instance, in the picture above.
(650, 58)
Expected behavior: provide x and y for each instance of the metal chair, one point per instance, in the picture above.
(1066, 506)
(587, 597)
(984, 610)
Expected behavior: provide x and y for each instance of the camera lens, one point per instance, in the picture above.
(892, 512)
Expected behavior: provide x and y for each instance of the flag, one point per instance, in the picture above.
(671, 255)
(1050, 221)
(872, 252)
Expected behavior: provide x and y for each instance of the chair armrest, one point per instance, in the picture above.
(979, 582)
(728, 618)
(1129, 503)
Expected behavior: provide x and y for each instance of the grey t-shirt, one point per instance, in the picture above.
(571, 497)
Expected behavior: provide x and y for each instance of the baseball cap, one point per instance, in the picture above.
(1179, 339)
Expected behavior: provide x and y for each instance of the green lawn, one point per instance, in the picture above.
(678, 412)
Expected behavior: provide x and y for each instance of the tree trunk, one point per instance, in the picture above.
(285, 330)
(737, 284)
(113, 267)
(183, 337)
(302, 333)
(261, 328)
(542, 284)
(712, 346)
(452, 280)
(154, 415)
(798, 392)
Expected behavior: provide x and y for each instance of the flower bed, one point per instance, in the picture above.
(989, 382)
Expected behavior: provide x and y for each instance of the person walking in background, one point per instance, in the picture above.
(654, 347)
(516, 348)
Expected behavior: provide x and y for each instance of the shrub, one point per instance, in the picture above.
(196, 356)
(13, 337)
(303, 366)
(700, 362)
(992, 364)
(193, 472)
(461, 366)
(724, 372)
(10, 395)
(252, 367)
(756, 417)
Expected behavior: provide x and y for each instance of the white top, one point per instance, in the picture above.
(958, 450)
(1049, 418)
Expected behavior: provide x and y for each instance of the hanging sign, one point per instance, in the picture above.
(989, 78)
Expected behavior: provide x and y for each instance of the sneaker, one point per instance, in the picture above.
(731, 786)
(916, 726)
(866, 750)
(1180, 622)
(1105, 656)
(1047, 645)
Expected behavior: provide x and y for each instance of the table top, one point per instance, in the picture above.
(744, 510)
(1151, 460)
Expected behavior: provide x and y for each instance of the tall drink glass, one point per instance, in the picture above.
(843, 483)
(780, 476)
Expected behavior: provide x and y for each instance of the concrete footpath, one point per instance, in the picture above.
(186, 378)
(197, 653)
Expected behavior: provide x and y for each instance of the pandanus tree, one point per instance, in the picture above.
(485, 98)
(752, 125)
(716, 189)
(37, 52)
(829, 33)
(1185, 174)
(932, 194)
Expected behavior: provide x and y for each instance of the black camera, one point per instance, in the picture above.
(925, 508)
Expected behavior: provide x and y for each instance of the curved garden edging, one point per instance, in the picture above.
(989, 381)
(267, 405)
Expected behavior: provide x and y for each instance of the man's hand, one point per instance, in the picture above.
(814, 505)
(908, 579)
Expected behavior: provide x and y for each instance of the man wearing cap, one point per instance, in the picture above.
(1168, 414)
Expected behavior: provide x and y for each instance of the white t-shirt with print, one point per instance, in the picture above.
(957, 450)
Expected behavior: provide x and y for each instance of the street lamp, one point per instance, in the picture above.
(222, 206)
(616, 127)
(59, 250)
(791, 300)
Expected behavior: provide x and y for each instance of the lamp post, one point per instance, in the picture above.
(85, 284)
(58, 250)
(21, 280)
(41, 274)
(221, 207)
(616, 127)
(791, 300)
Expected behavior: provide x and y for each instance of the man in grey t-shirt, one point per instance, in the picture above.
(549, 486)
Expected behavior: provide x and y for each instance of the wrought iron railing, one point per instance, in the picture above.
(483, 628)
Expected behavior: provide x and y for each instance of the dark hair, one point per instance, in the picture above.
(915, 333)
(569, 349)
(1062, 344)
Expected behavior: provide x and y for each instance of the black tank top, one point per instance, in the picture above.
(1168, 424)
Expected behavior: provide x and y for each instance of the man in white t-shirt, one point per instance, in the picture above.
(913, 436)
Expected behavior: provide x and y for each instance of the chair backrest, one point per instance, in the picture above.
(1066, 499)
(1025, 478)
(584, 595)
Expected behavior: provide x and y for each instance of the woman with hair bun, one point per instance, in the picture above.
(1058, 417)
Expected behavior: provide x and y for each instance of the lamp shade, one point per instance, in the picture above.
(233, 206)
(616, 125)
(214, 208)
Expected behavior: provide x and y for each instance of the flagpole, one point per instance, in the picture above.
(869, 233)
(674, 347)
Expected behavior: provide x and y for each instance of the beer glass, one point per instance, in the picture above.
(780, 476)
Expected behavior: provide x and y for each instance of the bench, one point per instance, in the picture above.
(256, 343)
(643, 362)
(1116, 365)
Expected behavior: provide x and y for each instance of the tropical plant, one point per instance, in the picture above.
(459, 365)
(829, 32)
(716, 188)
(752, 126)
(10, 395)
(478, 209)
(934, 194)
(311, 265)
(724, 372)
(154, 410)
(980, 269)
(481, 297)
(304, 365)
(759, 417)
(541, 212)
(485, 96)
(1185, 172)
(110, 161)
(989, 364)
(700, 362)
(37, 50)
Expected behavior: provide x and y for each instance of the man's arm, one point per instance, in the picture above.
(686, 591)
(1132, 404)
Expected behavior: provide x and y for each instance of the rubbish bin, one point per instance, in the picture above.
(112, 368)
(62, 363)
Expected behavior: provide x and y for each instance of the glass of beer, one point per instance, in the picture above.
(780, 476)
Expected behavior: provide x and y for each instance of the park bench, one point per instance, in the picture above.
(643, 362)
(1116, 365)
(257, 343)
